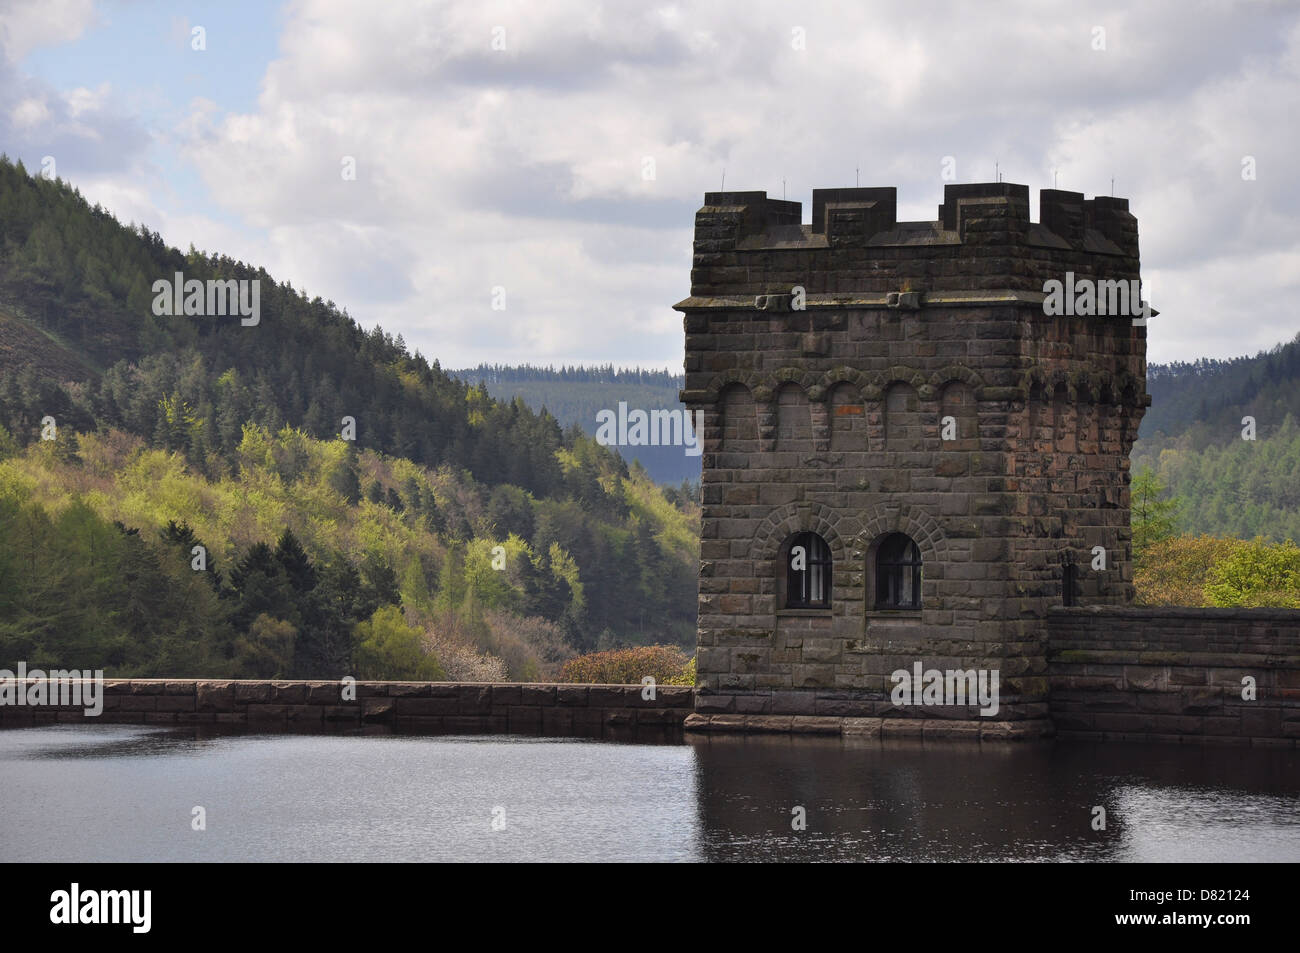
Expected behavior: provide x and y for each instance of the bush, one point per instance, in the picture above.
(267, 650)
(687, 676)
(462, 662)
(388, 648)
(1174, 571)
(532, 648)
(666, 664)
(1258, 574)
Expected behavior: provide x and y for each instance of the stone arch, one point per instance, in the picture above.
(885, 518)
(736, 415)
(801, 377)
(720, 382)
(902, 374)
(1086, 385)
(785, 521)
(956, 372)
(1059, 379)
(845, 376)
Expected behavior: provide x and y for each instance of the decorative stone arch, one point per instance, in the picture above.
(860, 381)
(715, 419)
(1107, 391)
(902, 374)
(1087, 385)
(804, 379)
(956, 372)
(885, 518)
(1057, 379)
(785, 521)
(1031, 380)
(720, 382)
(1126, 388)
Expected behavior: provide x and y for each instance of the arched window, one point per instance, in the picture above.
(807, 572)
(898, 573)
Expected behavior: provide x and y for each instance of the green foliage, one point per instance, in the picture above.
(389, 649)
(268, 648)
(1243, 488)
(1207, 399)
(686, 677)
(175, 432)
(1192, 438)
(1153, 519)
(1257, 574)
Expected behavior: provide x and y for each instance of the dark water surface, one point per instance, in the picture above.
(72, 793)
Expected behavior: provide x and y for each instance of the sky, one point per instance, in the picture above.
(419, 162)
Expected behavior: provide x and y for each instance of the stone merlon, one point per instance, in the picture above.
(982, 240)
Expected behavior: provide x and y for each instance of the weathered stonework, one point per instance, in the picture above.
(824, 358)
(616, 712)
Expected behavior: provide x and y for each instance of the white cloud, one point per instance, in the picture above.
(28, 24)
(523, 167)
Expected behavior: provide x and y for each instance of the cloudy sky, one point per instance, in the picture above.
(507, 144)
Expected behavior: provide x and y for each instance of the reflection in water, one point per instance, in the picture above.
(126, 793)
(924, 802)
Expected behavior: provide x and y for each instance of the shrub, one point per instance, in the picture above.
(533, 648)
(687, 676)
(1174, 571)
(1257, 574)
(462, 662)
(267, 650)
(388, 648)
(663, 663)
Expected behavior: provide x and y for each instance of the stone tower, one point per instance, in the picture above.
(906, 457)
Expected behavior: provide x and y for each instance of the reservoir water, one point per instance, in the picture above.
(74, 793)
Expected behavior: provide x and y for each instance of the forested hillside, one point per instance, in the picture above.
(1192, 438)
(574, 395)
(324, 555)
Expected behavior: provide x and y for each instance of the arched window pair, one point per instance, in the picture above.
(808, 572)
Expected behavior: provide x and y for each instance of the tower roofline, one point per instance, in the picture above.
(981, 239)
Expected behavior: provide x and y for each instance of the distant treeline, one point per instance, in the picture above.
(574, 395)
(589, 373)
(1207, 398)
(1192, 438)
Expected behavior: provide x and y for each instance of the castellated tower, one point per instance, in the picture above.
(905, 458)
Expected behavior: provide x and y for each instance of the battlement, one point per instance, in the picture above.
(982, 239)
